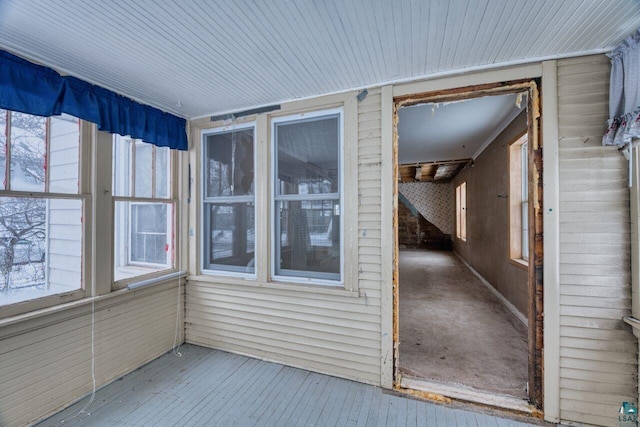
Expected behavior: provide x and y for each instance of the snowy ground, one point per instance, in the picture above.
(27, 282)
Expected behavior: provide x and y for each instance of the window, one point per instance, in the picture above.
(461, 211)
(307, 196)
(41, 208)
(143, 208)
(229, 200)
(519, 200)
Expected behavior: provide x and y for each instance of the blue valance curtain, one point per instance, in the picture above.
(38, 90)
(624, 93)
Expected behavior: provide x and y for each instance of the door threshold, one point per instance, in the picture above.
(467, 394)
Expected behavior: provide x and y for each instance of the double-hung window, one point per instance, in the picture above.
(228, 209)
(144, 208)
(41, 207)
(461, 211)
(519, 200)
(307, 197)
(524, 201)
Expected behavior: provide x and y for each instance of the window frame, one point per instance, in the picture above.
(83, 194)
(227, 199)
(171, 201)
(461, 211)
(95, 182)
(274, 198)
(518, 166)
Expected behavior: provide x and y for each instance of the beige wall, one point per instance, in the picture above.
(598, 352)
(45, 362)
(487, 246)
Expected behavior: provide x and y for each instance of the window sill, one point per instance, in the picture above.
(287, 286)
(519, 263)
(157, 275)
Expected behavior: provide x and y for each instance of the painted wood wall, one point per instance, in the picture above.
(598, 362)
(64, 220)
(313, 328)
(45, 362)
(486, 248)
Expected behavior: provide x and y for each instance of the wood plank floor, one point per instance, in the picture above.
(207, 387)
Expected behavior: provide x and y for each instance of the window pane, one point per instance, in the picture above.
(230, 236)
(163, 172)
(40, 247)
(64, 154)
(308, 156)
(149, 233)
(229, 163)
(143, 170)
(28, 150)
(143, 240)
(122, 148)
(309, 239)
(3, 148)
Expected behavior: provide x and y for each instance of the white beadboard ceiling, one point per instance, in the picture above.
(195, 58)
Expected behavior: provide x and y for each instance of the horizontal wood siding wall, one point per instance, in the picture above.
(64, 257)
(64, 219)
(369, 196)
(598, 362)
(45, 363)
(329, 333)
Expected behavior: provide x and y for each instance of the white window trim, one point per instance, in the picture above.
(106, 161)
(84, 186)
(202, 246)
(272, 199)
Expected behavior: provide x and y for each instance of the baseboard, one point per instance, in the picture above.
(497, 293)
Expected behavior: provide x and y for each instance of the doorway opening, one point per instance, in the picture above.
(468, 253)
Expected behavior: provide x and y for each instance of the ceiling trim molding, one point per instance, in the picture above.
(424, 78)
(503, 125)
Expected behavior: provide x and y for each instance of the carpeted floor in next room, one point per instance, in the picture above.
(454, 330)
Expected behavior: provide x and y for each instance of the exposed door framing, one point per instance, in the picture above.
(535, 317)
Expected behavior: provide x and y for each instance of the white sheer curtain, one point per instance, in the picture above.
(624, 93)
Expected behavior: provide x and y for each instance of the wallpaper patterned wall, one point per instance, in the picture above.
(433, 201)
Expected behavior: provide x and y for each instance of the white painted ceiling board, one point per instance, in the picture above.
(218, 56)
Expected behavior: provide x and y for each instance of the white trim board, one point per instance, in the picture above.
(501, 297)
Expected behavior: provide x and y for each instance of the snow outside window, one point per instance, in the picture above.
(41, 209)
(228, 208)
(143, 208)
(307, 197)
